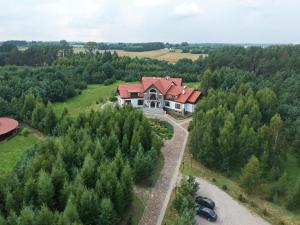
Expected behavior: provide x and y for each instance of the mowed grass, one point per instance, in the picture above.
(162, 54)
(87, 99)
(12, 149)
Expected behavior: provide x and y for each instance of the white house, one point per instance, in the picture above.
(161, 93)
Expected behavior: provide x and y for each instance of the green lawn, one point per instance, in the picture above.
(192, 84)
(87, 99)
(12, 149)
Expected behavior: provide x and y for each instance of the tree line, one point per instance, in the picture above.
(86, 175)
(245, 121)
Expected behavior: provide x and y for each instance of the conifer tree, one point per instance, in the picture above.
(251, 174)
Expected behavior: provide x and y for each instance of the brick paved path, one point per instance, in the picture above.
(173, 153)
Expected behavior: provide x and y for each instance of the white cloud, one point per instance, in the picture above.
(187, 9)
(151, 20)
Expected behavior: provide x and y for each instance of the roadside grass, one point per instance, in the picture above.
(12, 149)
(171, 214)
(135, 211)
(91, 98)
(267, 210)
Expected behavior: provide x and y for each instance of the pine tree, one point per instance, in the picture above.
(88, 170)
(27, 217)
(227, 143)
(107, 215)
(50, 120)
(45, 188)
(88, 207)
(38, 115)
(70, 214)
(251, 174)
(45, 217)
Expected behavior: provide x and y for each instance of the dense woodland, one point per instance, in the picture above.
(86, 175)
(250, 119)
(245, 125)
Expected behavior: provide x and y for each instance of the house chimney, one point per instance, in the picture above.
(167, 77)
(183, 90)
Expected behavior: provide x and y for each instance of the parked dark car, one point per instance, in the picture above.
(206, 213)
(207, 202)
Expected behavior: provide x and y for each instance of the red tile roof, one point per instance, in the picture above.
(194, 97)
(166, 85)
(125, 89)
(7, 125)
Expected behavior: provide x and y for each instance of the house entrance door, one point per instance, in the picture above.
(152, 104)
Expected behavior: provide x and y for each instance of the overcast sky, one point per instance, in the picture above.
(195, 21)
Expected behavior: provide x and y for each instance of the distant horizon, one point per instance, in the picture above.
(133, 42)
(139, 21)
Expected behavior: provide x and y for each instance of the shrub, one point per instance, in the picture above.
(25, 131)
(242, 199)
(113, 98)
(109, 81)
(224, 187)
(253, 204)
(265, 212)
(214, 180)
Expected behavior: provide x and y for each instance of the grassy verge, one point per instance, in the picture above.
(135, 211)
(271, 212)
(171, 214)
(12, 149)
(91, 98)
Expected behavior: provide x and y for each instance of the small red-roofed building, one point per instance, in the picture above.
(8, 127)
(163, 93)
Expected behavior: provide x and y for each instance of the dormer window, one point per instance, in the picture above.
(152, 90)
(134, 95)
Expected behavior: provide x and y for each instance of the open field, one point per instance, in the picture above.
(275, 213)
(87, 99)
(163, 54)
(12, 149)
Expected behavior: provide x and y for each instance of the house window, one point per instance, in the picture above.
(153, 97)
(153, 90)
(127, 102)
(167, 103)
(177, 106)
(134, 95)
(140, 102)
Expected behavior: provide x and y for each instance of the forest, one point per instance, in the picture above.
(246, 126)
(250, 116)
(85, 175)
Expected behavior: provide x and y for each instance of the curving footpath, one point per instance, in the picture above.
(173, 153)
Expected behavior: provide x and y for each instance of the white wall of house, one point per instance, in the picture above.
(172, 105)
(189, 107)
(133, 101)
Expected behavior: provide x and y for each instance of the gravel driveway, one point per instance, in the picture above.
(230, 211)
